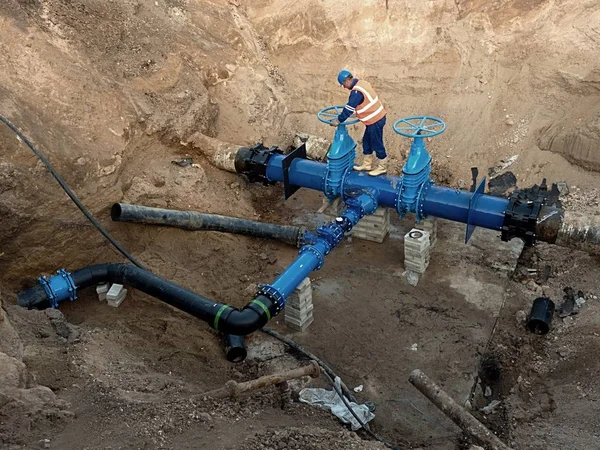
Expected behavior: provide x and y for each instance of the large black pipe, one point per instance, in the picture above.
(222, 317)
(192, 220)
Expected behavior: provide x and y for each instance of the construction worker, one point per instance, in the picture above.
(367, 107)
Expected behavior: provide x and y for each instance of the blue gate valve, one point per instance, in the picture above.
(341, 155)
(416, 170)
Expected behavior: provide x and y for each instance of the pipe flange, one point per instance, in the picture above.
(308, 238)
(320, 257)
(274, 295)
(301, 233)
(421, 199)
(399, 206)
(72, 289)
(45, 282)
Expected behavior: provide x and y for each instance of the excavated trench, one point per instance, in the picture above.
(114, 92)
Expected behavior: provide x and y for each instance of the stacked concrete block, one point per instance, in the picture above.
(299, 307)
(416, 250)
(429, 224)
(101, 290)
(115, 295)
(374, 227)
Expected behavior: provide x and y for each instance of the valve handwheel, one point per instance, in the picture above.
(419, 126)
(331, 113)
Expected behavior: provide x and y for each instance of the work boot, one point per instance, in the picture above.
(381, 167)
(366, 165)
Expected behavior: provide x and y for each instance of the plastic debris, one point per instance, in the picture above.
(501, 166)
(411, 277)
(414, 347)
(489, 409)
(358, 388)
(503, 183)
(183, 162)
(329, 399)
(572, 302)
(563, 188)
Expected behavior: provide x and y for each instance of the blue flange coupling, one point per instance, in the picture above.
(421, 198)
(274, 295)
(59, 287)
(320, 257)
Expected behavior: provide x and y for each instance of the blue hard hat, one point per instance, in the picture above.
(343, 75)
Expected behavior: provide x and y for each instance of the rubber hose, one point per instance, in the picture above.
(192, 220)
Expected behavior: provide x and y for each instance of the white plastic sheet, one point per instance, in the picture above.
(329, 399)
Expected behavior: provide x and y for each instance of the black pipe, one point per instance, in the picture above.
(540, 317)
(192, 220)
(235, 348)
(222, 317)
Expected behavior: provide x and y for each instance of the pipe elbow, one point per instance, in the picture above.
(247, 320)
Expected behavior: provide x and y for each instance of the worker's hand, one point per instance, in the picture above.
(334, 123)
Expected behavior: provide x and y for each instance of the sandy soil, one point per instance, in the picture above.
(110, 89)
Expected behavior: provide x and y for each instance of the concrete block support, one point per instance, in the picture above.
(299, 307)
(101, 290)
(429, 224)
(416, 250)
(370, 228)
(115, 295)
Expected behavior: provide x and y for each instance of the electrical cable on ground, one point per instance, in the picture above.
(70, 193)
(309, 355)
(330, 374)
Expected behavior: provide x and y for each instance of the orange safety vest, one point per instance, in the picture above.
(371, 109)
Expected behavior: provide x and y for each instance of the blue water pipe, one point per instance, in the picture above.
(317, 245)
(413, 192)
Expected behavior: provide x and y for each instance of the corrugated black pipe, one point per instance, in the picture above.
(192, 220)
(222, 317)
(235, 348)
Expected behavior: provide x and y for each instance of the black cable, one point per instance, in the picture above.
(70, 193)
(309, 355)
